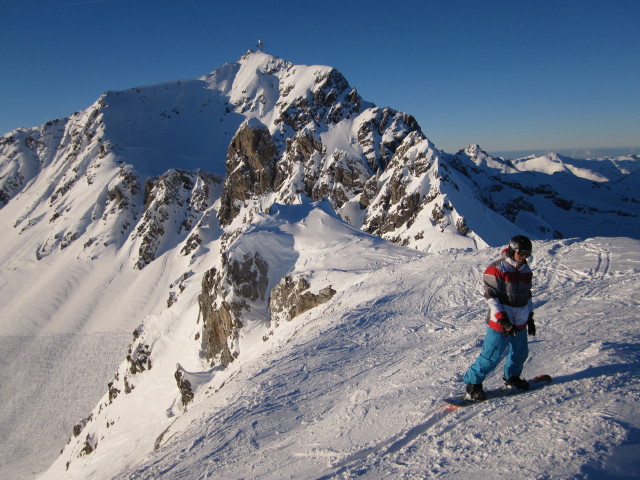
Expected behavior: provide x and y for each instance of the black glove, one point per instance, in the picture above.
(507, 327)
(531, 326)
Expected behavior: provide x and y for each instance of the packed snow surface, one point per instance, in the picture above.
(354, 387)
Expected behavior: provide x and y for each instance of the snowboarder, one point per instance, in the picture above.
(507, 289)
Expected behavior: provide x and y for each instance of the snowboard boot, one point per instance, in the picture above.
(475, 392)
(516, 382)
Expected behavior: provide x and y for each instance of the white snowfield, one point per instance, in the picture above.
(354, 387)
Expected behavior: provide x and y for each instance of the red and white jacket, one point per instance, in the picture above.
(507, 289)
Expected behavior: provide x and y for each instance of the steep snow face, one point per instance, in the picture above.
(181, 124)
(354, 386)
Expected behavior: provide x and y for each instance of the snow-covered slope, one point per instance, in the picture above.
(137, 279)
(353, 387)
(354, 390)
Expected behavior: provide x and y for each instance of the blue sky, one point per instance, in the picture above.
(506, 75)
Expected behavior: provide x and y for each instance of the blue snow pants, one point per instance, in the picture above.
(494, 345)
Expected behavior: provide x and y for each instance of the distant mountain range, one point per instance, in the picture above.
(152, 197)
(587, 153)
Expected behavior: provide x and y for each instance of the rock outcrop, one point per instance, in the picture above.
(251, 169)
(225, 295)
(292, 296)
(173, 204)
(184, 385)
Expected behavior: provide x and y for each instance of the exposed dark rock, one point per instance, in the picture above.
(516, 205)
(331, 100)
(340, 179)
(139, 358)
(90, 444)
(78, 428)
(369, 192)
(249, 276)
(224, 296)
(218, 325)
(406, 210)
(127, 386)
(562, 203)
(177, 193)
(290, 298)
(383, 134)
(191, 244)
(300, 153)
(461, 226)
(251, 168)
(186, 392)
(437, 214)
(113, 392)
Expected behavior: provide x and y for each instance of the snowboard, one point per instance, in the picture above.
(535, 383)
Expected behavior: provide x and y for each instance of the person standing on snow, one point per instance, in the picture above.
(507, 289)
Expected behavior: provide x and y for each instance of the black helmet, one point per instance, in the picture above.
(520, 244)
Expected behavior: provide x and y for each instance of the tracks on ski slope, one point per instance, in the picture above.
(586, 268)
(361, 462)
(356, 464)
(392, 445)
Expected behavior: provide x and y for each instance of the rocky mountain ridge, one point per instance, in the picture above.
(296, 131)
(299, 132)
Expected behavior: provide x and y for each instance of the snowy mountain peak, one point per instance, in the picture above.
(473, 150)
(482, 159)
